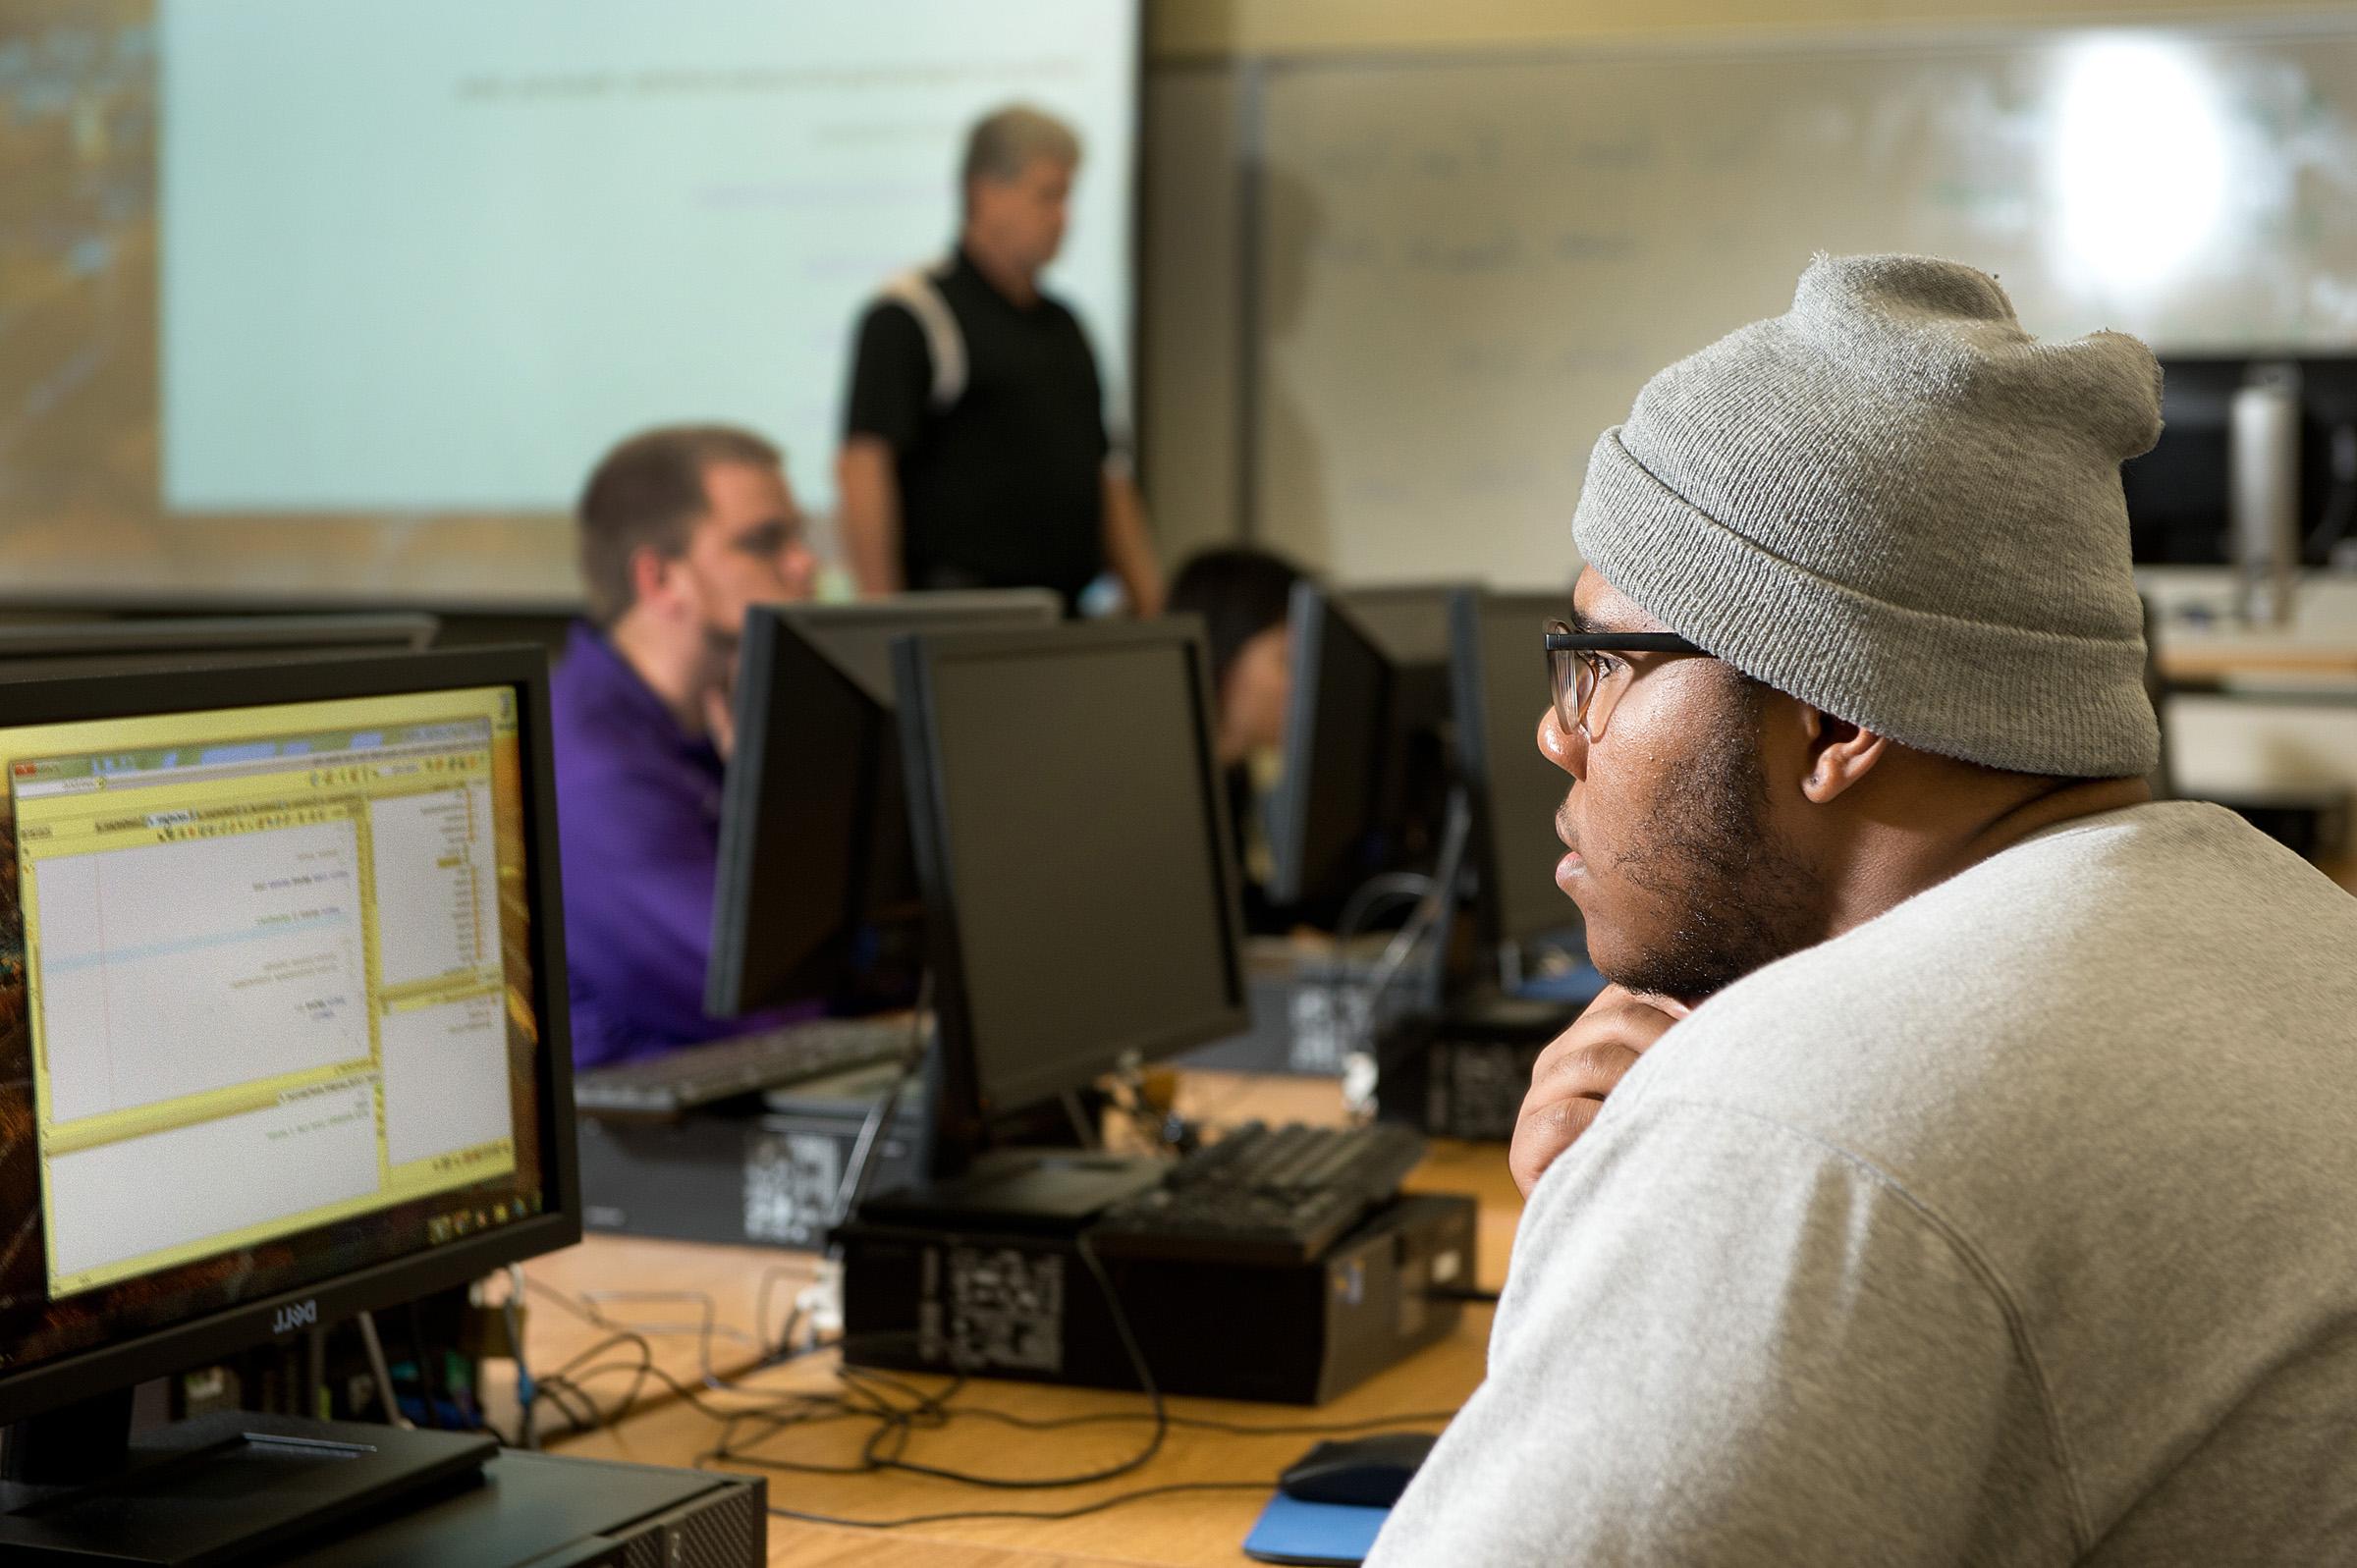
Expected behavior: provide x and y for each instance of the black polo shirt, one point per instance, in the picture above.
(1005, 488)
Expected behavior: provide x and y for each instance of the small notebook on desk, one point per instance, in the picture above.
(1290, 1531)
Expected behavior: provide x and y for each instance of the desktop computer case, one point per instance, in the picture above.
(1309, 1011)
(1462, 1073)
(495, 1508)
(534, 1510)
(1010, 1304)
(769, 1178)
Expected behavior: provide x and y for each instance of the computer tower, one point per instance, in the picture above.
(770, 1176)
(1462, 1073)
(1009, 1303)
(770, 1173)
(533, 1510)
(1310, 1009)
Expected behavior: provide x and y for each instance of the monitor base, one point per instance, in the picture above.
(218, 1490)
(1023, 1189)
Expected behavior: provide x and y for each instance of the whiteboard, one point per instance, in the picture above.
(1470, 265)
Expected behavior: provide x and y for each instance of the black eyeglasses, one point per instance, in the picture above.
(1580, 663)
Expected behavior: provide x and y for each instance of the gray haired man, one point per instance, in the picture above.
(1959, 1171)
(975, 454)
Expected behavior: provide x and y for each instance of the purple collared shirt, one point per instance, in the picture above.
(638, 829)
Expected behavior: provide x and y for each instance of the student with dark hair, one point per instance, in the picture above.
(682, 530)
(1244, 597)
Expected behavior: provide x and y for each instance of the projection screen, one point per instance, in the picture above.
(338, 298)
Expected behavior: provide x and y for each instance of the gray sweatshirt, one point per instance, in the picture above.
(2017, 1226)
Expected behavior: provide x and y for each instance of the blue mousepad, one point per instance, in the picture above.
(1313, 1533)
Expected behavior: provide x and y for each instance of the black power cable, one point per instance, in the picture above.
(1116, 1500)
(898, 1410)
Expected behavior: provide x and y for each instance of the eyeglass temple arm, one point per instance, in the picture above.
(1621, 642)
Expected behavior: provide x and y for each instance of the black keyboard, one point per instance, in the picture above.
(663, 1087)
(1263, 1195)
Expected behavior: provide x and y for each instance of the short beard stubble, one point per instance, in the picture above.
(1737, 895)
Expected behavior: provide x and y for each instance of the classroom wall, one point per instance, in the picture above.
(1312, 379)
(1194, 30)
(1225, 351)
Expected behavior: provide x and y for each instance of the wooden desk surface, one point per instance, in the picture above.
(1184, 1528)
(2222, 654)
(664, 1291)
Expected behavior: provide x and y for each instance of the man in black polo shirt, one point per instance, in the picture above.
(975, 453)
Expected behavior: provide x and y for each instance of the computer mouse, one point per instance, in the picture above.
(1364, 1472)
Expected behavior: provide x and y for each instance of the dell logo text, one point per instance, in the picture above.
(301, 1315)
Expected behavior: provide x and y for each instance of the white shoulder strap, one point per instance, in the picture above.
(943, 342)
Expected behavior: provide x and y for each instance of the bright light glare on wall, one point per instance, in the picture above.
(2140, 161)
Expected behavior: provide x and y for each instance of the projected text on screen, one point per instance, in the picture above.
(438, 256)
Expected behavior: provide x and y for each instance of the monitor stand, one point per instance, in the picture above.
(1020, 1189)
(74, 1487)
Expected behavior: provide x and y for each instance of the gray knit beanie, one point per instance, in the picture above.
(1894, 504)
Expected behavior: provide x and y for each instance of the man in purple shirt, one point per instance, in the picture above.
(683, 528)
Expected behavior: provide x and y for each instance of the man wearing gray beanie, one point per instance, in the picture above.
(1960, 1168)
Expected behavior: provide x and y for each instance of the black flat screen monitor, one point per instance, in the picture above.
(815, 894)
(2179, 511)
(1501, 692)
(1072, 840)
(1366, 746)
(282, 1007)
(47, 649)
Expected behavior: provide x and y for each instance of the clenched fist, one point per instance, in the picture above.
(1571, 1077)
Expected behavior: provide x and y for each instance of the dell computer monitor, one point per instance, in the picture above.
(1501, 692)
(282, 1011)
(1072, 840)
(47, 650)
(815, 896)
(1366, 749)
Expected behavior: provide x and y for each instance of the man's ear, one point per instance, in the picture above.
(1839, 755)
(650, 577)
